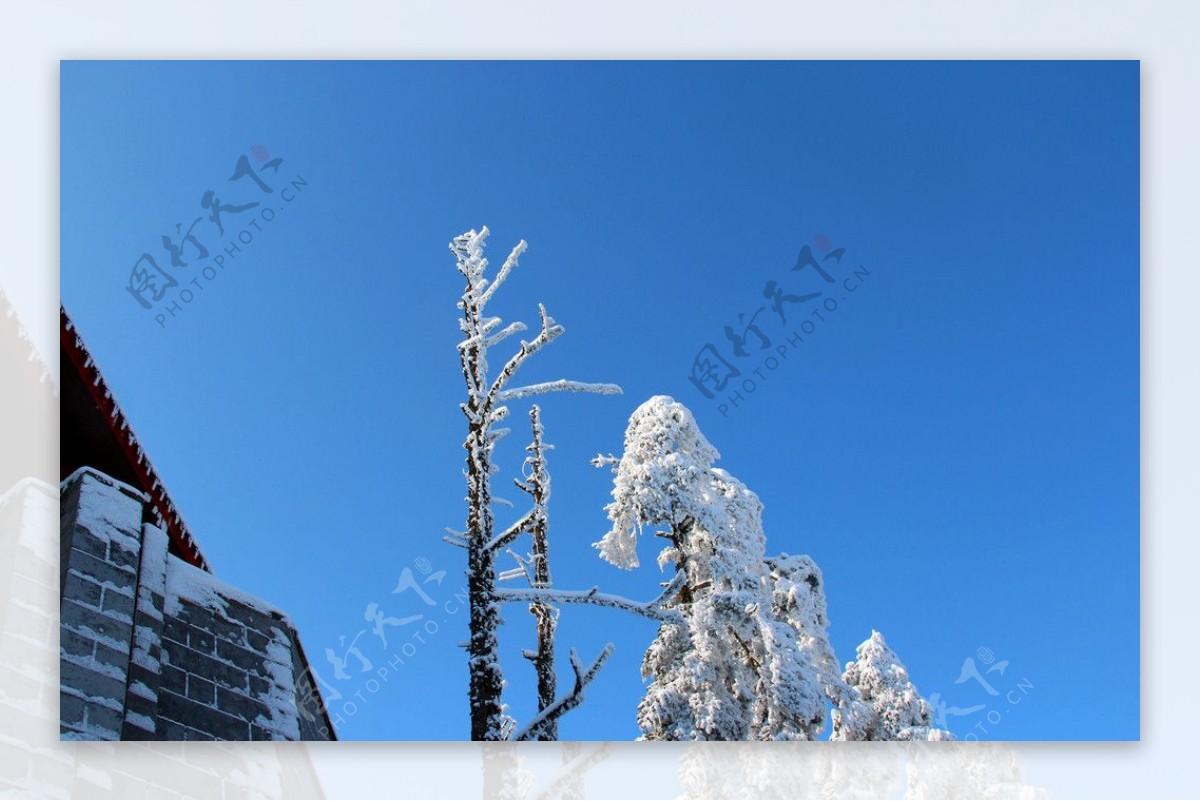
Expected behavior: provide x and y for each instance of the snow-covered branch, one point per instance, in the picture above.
(454, 537)
(510, 533)
(671, 589)
(523, 568)
(550, 332)
(508, 266)
(509, 330)
(487, 328)
(569, 701)
(655, 610)
(561, 385)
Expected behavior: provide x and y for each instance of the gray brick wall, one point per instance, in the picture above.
(145, 663)
(100, 527)
(227, 664)
(155, 649)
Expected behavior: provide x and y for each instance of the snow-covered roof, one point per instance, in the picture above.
(78, 359)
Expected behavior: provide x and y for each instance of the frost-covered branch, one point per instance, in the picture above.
(671, 589)
(593, 597)
(550, 332)
(561, 385)
(510, 533)
(521, 570)
(507, 267)
(512, 328)
(569, 701)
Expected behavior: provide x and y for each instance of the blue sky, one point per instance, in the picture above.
(956, 444)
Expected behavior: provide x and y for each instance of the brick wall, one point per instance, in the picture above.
(100, 531)
(153, 648)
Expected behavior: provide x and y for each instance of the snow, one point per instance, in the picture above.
(484, 408)
(92, 634)
(561, 385)
(797, 590)
(749, 657)
(143, 691)
(882, 680)
(203, 589)
(108, 508)
(98, 700)
(666, 458)
(104, 479)
(90, 663)
(730, 670)
(141, 721)
(140, 655)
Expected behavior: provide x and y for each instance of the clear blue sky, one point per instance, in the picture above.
(957, 445)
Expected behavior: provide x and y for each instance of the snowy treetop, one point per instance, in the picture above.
(881, 678)
(664, 475)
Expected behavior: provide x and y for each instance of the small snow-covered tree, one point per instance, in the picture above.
(728, 669)
(797, 590)
(882, 681)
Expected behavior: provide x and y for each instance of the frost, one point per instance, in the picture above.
(797, 590)
(882, 680)
(729, 670)
(484, 409)
(666, 460)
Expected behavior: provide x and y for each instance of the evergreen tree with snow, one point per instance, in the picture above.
(797, 590)
(727, 668)
(882, 680)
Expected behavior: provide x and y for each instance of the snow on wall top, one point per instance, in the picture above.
(108, 508)
(186, 582)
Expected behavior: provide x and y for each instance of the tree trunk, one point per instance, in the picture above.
(486, 680)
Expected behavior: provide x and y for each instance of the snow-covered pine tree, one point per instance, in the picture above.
(797, 590)
(882, 681)
(728, 669)
(484, 409)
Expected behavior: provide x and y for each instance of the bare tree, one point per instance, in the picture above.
(484, 409)
(535, 568)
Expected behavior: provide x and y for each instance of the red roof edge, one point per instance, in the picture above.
(81, 360)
